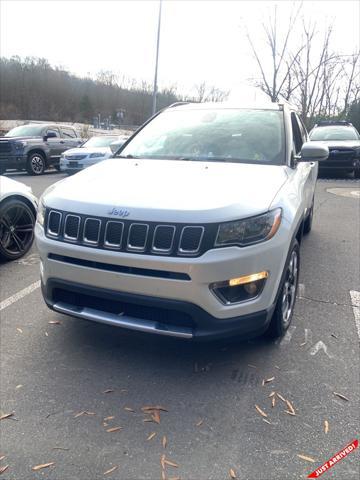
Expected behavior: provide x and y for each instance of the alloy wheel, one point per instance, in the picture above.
(290, 288)
(16, 230)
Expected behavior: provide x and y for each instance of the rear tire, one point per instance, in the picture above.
(285, 304)
(36, 164)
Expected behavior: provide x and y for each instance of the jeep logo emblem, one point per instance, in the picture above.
(119, 212)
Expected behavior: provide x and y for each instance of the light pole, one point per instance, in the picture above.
(156, 61)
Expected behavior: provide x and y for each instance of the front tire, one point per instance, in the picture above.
(285, 304)
(17, 222)
(36, 164)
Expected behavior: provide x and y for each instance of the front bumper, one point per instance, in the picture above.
(186, 290)
(74, 166)
(12, 161)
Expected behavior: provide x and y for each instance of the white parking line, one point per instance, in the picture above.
(19, 295)
(355, 302)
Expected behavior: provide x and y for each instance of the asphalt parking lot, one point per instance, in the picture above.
(70, 383)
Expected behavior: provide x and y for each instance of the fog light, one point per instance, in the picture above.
(240, 289)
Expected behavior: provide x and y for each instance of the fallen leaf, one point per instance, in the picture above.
(290, 407)
(46, 334)
(106, 419)
(60, 448)
(272, 394)
(163, 475)
(128, 409)
(333, 335)
(232, 473)
(266, 421)
(111, 470)
(151, 436)
(114, 429)
(84, 412)
(164, 441)
(304, 457)
(156, 416)
(251, 366)
(109, 390)
(3, 469)
(302, 344)
(156, 407)
(262, 413)
(19, 330)
(276, 366)
(162, 461)
(273, 401)
(7, 415)
(148, 420)
(281, 397)
(43, 465)
(290, 413)
(54, 322)
(340, 395)
(326, 426)
(268, 380)
(174, 478)
(2, 457)
(199, 423)
(170, 463)
(19, 386)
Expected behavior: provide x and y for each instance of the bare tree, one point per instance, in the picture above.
(209, 93)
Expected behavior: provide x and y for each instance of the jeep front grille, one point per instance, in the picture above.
(5, 147)
(149, 238)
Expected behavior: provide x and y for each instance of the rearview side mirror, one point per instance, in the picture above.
(313, 152)
(50, 135)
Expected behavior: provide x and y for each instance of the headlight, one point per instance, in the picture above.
(40, 218)
(20, 145)
(97, 155)
(250, 230)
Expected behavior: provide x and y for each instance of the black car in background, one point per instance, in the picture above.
(35, 147)
(343, 141)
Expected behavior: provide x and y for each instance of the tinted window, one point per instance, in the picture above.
(26, 131)
(297, 137)
(334, 133)
(68, 133)
(52, 130)
(230, 135)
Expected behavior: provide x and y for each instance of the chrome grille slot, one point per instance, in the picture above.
(92, 228)
(137, 236)
(190, 239)
(113, 234)
(163, 238)
(72, 227)
(54, 223)
(75, 157)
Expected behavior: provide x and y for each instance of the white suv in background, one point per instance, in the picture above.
(195, 233)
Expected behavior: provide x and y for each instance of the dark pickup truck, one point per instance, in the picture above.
(35, 147)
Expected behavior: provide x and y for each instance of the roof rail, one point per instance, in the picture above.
(176, 104)
(326, 123)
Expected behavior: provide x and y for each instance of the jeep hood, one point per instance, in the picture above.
(169, 191)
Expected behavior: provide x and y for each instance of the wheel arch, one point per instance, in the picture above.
(22, 199)
(38, 150)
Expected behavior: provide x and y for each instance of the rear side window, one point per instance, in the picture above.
(68, 133)
(298, 139)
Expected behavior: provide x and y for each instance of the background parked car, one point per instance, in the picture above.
(343, 141)
(93, 151)
(17, 218)
(35, 147)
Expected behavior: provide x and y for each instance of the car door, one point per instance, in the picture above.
(54, 142)
(70, 139)
(307, 171)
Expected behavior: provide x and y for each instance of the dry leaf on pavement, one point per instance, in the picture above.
(151, 436)
(111, 470)
(281, 397)
(41, 466)
(304, 457)
(149, 408)
(262, 413)
(340, 395)
(128, 409)
(109, 390)
(156, 416)
(3, 469)
(290, 407)
(199, 423)
(7, 415)
(164, 441)
(84, 412)
(114, 429)
(232, 473)
(170, 463)
(19, 330)
(326, 426)
(273, 401)
(54, 322)
(266, 421)
(106, 419)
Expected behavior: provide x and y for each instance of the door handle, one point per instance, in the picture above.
(62, 141)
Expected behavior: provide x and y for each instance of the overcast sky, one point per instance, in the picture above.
(200, 40)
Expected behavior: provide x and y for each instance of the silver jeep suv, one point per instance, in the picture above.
(192, 231)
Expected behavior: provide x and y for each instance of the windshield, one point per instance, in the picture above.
(230, 135)
(26, 131)
(100, 141)
(334, 133)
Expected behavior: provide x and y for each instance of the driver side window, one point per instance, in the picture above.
(297, 137)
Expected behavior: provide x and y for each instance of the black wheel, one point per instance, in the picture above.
(357, 173)
(36, 164)
(285, 304)
(16, 229)
(309, 220)
(2, 170)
